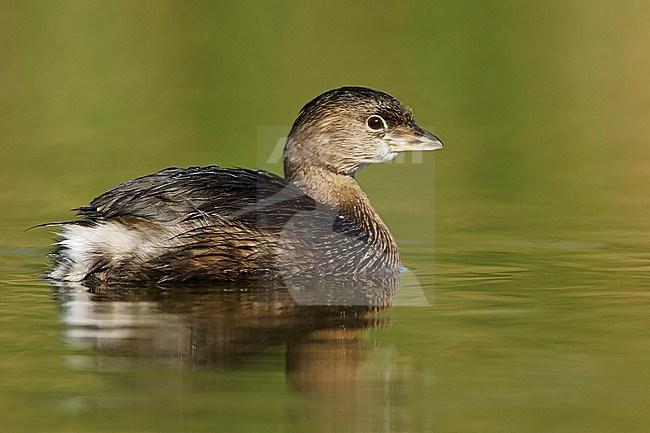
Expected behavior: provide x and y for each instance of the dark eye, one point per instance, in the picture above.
(376, 123)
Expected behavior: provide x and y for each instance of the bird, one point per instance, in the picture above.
(210, 224)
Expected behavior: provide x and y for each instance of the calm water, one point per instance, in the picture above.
(527, 238)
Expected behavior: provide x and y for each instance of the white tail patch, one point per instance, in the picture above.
(112, 242)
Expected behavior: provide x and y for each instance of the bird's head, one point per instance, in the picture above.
(345, 129)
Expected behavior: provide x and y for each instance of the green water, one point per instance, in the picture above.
(527, 237)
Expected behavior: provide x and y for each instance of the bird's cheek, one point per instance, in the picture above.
(382, 147)
(380, 152)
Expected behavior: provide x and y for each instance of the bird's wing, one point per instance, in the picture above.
(176, 194)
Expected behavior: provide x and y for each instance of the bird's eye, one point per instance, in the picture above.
(376, 123)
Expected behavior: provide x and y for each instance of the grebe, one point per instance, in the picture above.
(203, 224)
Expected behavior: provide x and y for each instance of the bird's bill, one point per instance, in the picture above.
(403, 139)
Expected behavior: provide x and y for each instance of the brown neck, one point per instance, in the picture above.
(342, 192)
(334, 189)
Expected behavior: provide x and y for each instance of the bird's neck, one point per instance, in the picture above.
(341, 191)
(325, 186)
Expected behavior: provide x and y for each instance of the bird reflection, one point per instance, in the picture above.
(318, 324)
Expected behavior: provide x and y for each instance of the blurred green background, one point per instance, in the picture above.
(530, 238)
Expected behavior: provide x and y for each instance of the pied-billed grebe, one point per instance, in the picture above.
(209, 223)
